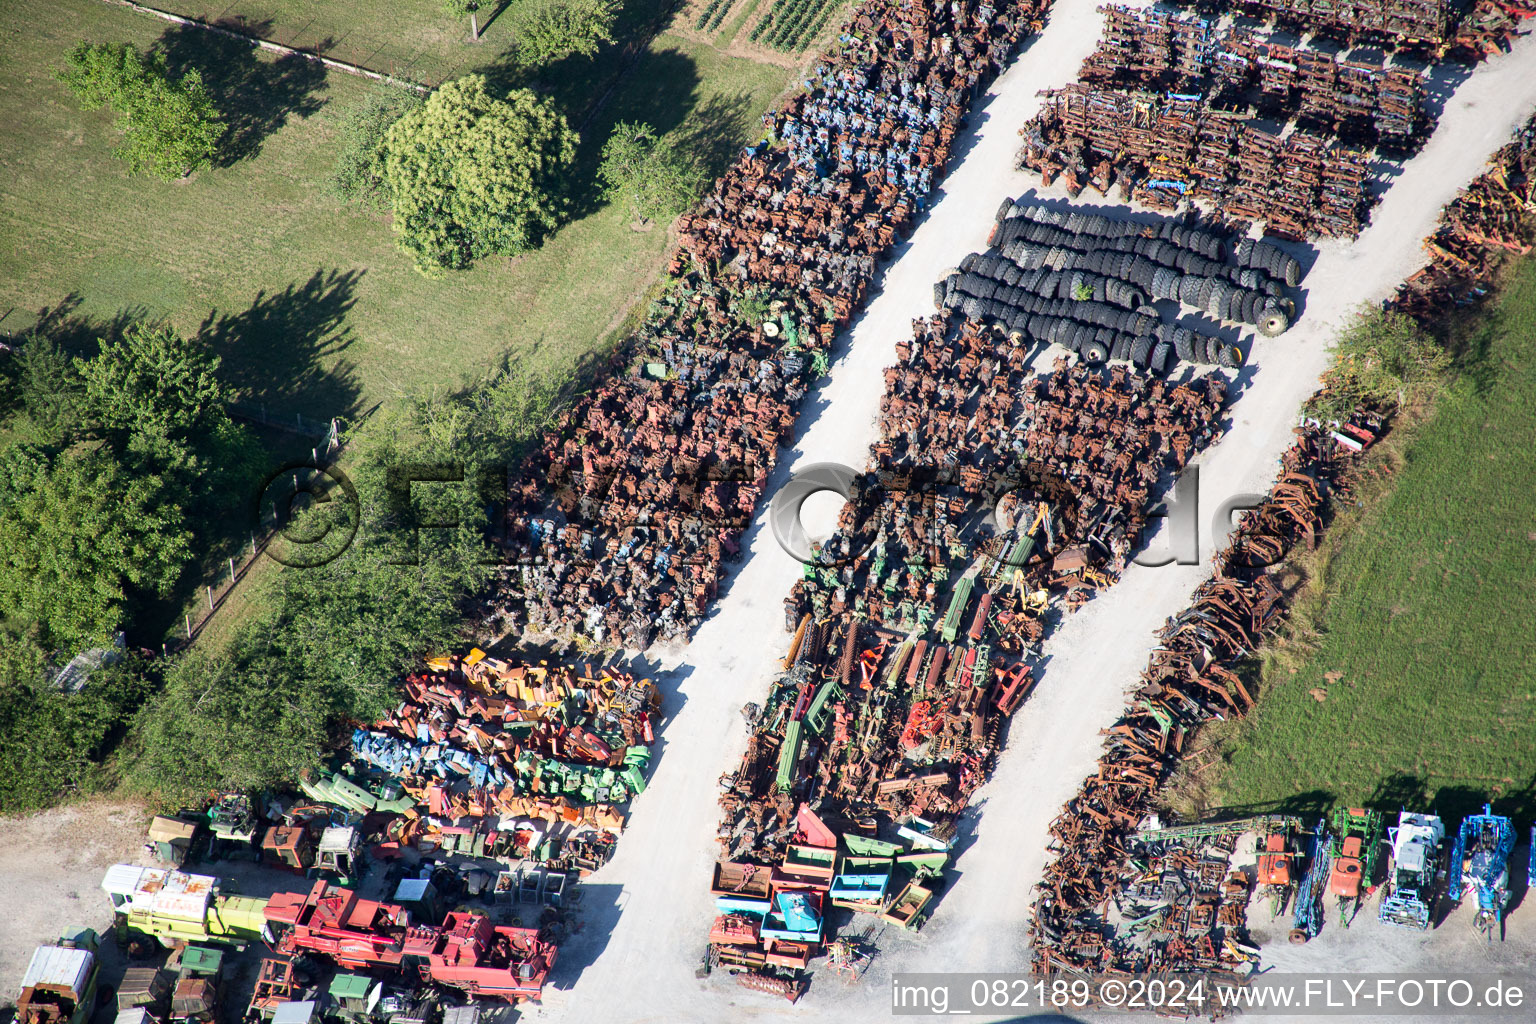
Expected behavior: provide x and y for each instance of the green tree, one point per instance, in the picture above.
(652, 178)
(1384, 359)
(550, 30)
(53, 744)
(359, 172)
(49, 386)
(157, 389)
(74, 542)
(463, 7)
(470, 175)
(170, 127)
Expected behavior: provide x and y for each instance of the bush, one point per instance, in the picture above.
(170, 127)
(359, 172)
(54, 745)
(1383, 359)
(470, 175)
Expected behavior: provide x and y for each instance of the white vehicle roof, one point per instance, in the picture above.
(337, 839)
(59, 967)
(161, 890)
(294, 1013)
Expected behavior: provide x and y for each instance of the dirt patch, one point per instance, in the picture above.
(51, 864)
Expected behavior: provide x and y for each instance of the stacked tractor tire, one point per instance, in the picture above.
(619, 524)
(1192, 676)
(1088, 283)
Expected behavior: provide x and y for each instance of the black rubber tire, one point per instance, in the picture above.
(1272, 323)
(1162, 352)
(1141, 350)
(1094, 352)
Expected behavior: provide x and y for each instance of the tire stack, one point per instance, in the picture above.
(1085, 282)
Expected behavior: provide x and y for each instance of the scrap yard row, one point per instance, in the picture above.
(1072, 368)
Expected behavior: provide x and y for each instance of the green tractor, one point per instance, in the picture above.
(1357, 835)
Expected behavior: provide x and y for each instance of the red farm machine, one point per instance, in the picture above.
(466, 952)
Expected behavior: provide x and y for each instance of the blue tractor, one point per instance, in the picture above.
(1480, 863)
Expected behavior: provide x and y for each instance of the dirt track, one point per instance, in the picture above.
(647, 912)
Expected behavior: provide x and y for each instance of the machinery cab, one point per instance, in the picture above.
(172, 840)
(289, 846)
(1275, 862)
(1415, 843)
(199, 984)
(59, 986)
(339, 855)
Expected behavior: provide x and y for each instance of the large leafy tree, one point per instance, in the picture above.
(78, 537)
(156, 388)
(652, 178)
(170, 127)
(470, 175)
(551, 30)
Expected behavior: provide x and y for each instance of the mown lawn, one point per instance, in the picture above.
(1429, 620)
(309, 302)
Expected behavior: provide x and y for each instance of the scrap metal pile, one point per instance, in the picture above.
(1086, 282)
(478, 737)
(915, 625)
(1404, 22)
(1354, 96)
(1166, 149)
(1189, 681)
(1490, 27)
(1162, 108)
(622, 520)
(1488, 220)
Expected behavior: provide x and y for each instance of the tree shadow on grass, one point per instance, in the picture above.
(80, 334)
(255, 96)
(276, 351)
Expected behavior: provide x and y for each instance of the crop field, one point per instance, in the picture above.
(791, 25)
(311, 306)
(1415, 687)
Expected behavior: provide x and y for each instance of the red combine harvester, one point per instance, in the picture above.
(466, 952)
(471, 954)
(335, 922)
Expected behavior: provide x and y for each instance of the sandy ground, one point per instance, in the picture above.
(646, 913)
(51, 865)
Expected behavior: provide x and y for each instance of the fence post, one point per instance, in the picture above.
(231, 572)
(188, 620)
(210, 599)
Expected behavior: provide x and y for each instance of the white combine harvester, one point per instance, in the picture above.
(1415, 871)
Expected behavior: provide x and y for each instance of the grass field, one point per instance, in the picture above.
(311, 306)
(1423, 615)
